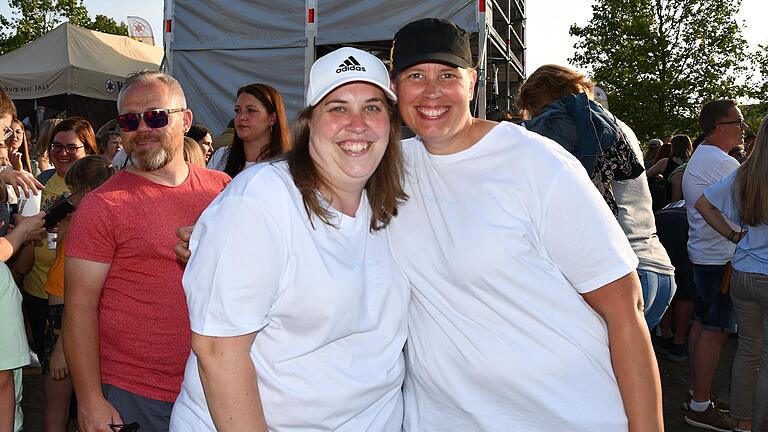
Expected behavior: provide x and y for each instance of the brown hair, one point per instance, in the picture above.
(81, 128)
(750, 181)
(681, 147)
(714, 111)
(23, 148)
(548, 84)
(384, 188)
(88, 173)
(6, 104)
(280, 140)
(193, 153)
(105, 133)
(663, 152)
(44, 137)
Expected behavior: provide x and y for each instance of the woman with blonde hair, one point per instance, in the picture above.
(193, 153)
(742, 198)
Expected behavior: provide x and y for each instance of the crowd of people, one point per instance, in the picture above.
(479, 276)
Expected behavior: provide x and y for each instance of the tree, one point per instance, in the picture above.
(659, 60)
(34, 18)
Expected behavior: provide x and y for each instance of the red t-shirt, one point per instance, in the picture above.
(130, 223)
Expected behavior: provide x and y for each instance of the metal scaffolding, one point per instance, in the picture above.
(500, 55)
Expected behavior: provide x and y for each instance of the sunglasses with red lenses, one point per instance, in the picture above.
(156, 118)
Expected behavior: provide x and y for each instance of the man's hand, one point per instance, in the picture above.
(29, 228)
(96, 416)
(22, 181)
(182, 246)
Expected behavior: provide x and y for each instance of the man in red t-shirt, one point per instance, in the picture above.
(126, 325)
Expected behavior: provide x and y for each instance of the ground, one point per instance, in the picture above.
(674, 380)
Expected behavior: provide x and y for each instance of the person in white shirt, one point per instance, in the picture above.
(297, 307)
(714, 319)
(526, 310)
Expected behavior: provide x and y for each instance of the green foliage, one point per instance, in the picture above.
(760, 60)
(659, 60)
(34, 18)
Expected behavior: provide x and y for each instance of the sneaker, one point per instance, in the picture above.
(721, 404)
(710, 419)
(677, 353)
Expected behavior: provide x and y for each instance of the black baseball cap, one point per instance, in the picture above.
(430, 40)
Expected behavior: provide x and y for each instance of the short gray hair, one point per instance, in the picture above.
(148, 76)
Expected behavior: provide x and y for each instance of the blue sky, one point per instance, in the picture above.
(547, 25)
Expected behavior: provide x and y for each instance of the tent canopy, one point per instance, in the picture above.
(74, 61)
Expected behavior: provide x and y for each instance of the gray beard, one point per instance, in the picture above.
(152, 162)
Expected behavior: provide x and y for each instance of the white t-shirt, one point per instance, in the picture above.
(219, 160)
(498, 242)
(707, 165)
(329, 305)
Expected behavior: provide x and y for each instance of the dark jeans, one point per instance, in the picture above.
(151, 415)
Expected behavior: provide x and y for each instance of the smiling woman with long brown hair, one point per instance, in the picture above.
(294, 297)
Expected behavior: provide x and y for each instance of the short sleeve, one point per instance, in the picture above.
(722, 196)
(580, 234)
(91, 235)
(238, 256)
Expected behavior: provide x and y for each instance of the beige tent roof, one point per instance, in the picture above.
(73, 60)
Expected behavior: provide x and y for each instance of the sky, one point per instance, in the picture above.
(548, 22)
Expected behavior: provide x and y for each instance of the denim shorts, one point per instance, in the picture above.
(658, 290)
(713, 308)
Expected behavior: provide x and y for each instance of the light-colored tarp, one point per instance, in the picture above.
(218, 46)
(211, 78)
(238, 24)
(344, 21)
(74, 60)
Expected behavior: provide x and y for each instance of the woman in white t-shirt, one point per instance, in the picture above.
(526, 308)
(297, 308)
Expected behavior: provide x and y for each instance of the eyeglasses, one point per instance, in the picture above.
(7, 131)
(153, 118)
(130, 427)
(71, 149)
(739, 122)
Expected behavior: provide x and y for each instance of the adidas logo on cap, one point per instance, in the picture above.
(350, 64)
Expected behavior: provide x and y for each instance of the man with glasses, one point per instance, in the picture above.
(724, 127)
(126, 324)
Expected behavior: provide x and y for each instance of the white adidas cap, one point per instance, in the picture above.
(346, 65)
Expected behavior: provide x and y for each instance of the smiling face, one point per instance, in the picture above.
(62, 159)
(152, 149)
(349, 132)
(433, 99)
(252, 121)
